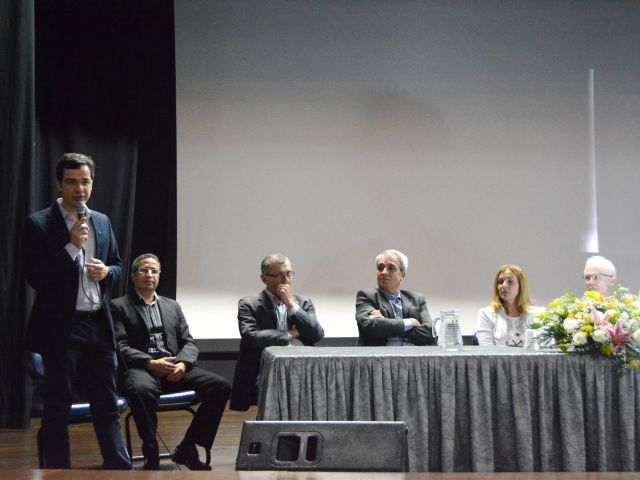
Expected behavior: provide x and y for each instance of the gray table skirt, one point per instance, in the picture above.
(474, 409)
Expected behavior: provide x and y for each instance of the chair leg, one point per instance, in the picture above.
(207, 451)
(41, 462)
(127, 434)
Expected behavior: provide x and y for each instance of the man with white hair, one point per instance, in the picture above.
(600, 275)
(388, 315)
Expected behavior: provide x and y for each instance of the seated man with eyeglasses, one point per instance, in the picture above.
(600, 275)
(276, 316)
(159, 356)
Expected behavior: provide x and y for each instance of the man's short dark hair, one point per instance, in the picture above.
(140, 258)
(73, 161)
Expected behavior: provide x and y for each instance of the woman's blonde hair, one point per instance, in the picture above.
(523, 300)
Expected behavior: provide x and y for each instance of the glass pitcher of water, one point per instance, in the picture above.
(448, 332)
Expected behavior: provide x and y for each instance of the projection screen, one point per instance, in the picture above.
(466, 134)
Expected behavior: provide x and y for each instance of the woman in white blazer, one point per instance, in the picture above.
(511, 312)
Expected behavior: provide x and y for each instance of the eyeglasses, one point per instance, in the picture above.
(595, 276)
(389, 266)
(147, 271)
(287, 275)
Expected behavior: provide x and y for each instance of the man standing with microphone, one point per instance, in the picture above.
(71, 260)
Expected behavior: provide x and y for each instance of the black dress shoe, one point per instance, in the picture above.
(151, 464)
(188, 456)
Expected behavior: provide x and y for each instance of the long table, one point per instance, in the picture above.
(470, 409)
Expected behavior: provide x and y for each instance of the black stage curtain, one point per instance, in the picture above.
(104, 86)
(17, 134)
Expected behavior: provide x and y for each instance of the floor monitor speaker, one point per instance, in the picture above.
(324, 446)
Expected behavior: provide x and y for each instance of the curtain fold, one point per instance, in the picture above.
(16, 167)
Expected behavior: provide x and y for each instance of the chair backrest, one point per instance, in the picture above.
(35, 367)
(79, 413)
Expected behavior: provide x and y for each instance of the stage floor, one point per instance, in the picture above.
(19, 459)
(18, 447)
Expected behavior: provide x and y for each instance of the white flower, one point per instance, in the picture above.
(636, 336)
(600, 336)
(579, 338)
(630, 325)
(571, 324)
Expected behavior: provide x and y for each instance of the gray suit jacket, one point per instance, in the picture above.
(376, 331)
(259, 329)
(132, 334)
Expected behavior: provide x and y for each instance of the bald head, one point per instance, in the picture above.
(600, 275)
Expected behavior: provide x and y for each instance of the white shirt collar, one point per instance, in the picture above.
(65, 213)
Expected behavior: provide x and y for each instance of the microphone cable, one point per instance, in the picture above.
(83, 274)
(81, 209)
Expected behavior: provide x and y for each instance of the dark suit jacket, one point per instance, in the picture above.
(259, 329)
(132, 334)
(54, 275)
(376, 331)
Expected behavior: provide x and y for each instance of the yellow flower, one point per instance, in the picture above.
(634, 363)
(628, 300)
(587, 328)
(606, 350)
(571, 315)
(595, 296)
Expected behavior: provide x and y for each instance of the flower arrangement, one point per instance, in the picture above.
(595, 324)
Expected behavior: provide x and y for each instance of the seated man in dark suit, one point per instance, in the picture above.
(388, 315)
(160, 357)
(276, 316)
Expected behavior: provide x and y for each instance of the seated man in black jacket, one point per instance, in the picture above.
(388, 315)
(276, 316)
(160, 357)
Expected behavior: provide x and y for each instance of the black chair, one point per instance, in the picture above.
(80, 412)
(168, 402)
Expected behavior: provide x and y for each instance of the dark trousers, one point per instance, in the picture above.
(143, 390)
(89, 355)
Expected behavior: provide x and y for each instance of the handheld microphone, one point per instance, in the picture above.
(81, 210)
